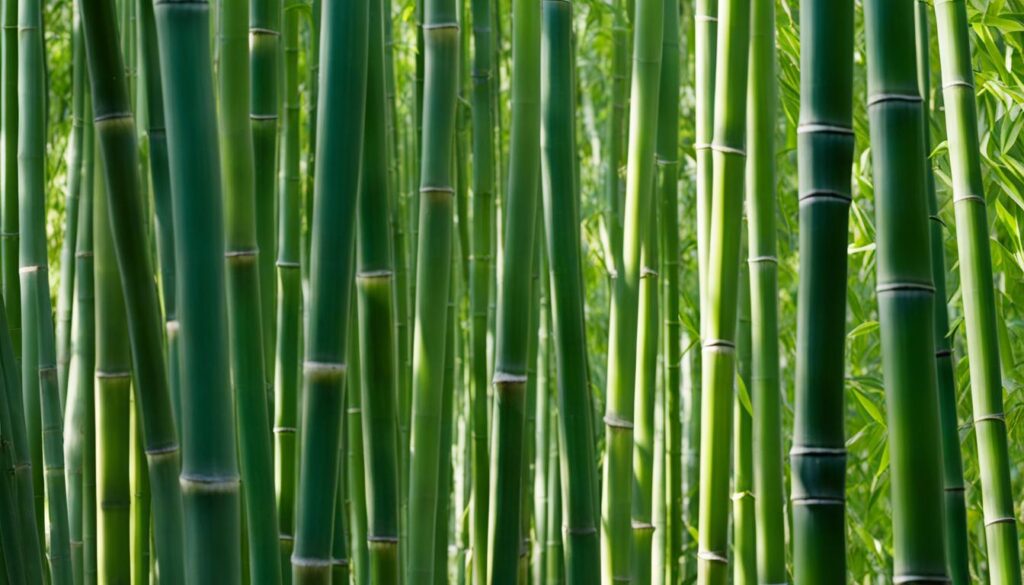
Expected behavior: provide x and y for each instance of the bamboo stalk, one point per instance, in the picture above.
(952, 466)
(719, 332)
(905, 293)
(980, 313)
(616, 550)
(209, 474)
(508, 450)
(113, 389)
(39, 368)
(576, 430)
(340, 120)
(433, 267)
(245, 313)
(825, 148)
(769, 499)
(744, 571)
(289, 294)
(375, 296)
(116, 133)
(355, 472)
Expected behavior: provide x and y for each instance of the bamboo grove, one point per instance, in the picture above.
(511, 292)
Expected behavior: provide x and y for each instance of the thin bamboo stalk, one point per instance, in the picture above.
(12, 559)
(705, 55)
(376, 304)
(113, 390)
(355, 486)
(116, 133)
(616, 549)
(514, 299)
(980, 314)
(554, 557)
(905, 293)
(40, 368)
(952, 465)
(825, 148)
(615, 136)
(340, 123)
(433, 280)
(245, 313)
(744, 536)
(719, 330)
(768, 487)
(544, 432)
(142, 560)
(444, 464)
(265, 39)
(578, 468)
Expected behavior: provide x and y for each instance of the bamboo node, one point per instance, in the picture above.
(617, 423)
(705, 18)
(242, 254)
(440, 26)
(957, 83)
(1001, 520)
(701, 146)
(315, 563)
(427, 189)
(937, 219)
(165, 450)
(881, 98)
(173, 326)
(744, 494)
(642, 526)
(263, 117)
(825, 194)
(726, 149)
(104, 375)
(719, 344)
(818, 501)
(256, 30)
(905, 287)
(287, 264)
(375, 275)
(83, 254)
(974, 198)
(210, 484)
(763, 259)
(284, 430)
(112, 116)
(32, 269)
(898, 579)
(323, 370)
(285, 538)
(995, 417)
(382, 539)
(501, 378)
(665, 162)
(647, 272)
(819, 451)
(712, 557)
(955, 488)
(581, 531)
(815, 128)
(943, 353)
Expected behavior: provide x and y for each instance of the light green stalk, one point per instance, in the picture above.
(952, 465)
(113, 391)
(744, 571)
(544, 432)
(719, 328)
(615, 136)
(578, 467)
(980, 316)
(508, 449)
(905, 293)
(433, 276)
(244, 294)
(616, 548)
(40, 368)
(825, 150)
(768, 488)
(340, 123)
(142, 564)
(376, 300)
(355, 486)
(705, 55)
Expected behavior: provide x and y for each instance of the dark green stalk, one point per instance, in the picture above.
(142, 564)
(340, 565)
(952, 465)
(744, 571)
(340, 123)
(544, 433)
(615, 136)
(113, 391)
(289, 293)
(65, 294)
(825, 150)
(616, 548)
(12, 559)
(724, 253)
(244, 294)
(444, 464)
(209, 475)
(376, 300)
(355, 486)
(554, 555)
(905, 293)
(156, 135)
(980, 315)
(768, 487)
(81, 368)
(39, 369)
(578, 467)
(508, 461)
(433, 276)
(264, 104)
(480, 274)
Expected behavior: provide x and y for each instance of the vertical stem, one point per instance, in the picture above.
(744, 536)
